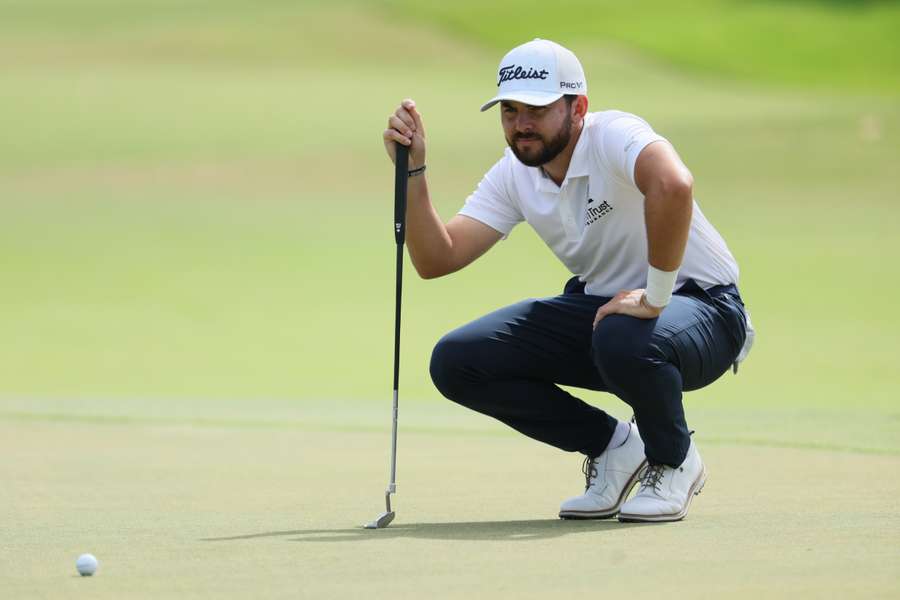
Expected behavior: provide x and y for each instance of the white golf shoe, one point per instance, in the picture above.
(666, 492)
(609, 478)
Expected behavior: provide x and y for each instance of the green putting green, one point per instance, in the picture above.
(197, 309)
(214, 511)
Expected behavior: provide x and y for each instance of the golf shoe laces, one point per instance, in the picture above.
(652, 477)
(590, 471)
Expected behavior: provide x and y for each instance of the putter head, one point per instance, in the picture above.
(383, 520)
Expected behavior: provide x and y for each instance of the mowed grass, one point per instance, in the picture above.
(830, 44)
(187, 512)
(197, 310)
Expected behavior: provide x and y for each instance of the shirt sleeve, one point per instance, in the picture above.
(622, 141)
(492, 203)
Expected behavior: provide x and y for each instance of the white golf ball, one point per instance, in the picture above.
(86, 565)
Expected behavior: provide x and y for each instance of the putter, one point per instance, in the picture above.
(400, 180)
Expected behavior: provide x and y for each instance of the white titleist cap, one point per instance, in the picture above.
(538, 73)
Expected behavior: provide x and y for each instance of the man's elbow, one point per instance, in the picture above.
(676, 186)
(435, 270)
(430, 271)
(428, 274)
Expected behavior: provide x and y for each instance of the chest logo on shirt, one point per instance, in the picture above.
(595, 212)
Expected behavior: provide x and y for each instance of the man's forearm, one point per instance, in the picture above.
(667, 213)
(427, 238)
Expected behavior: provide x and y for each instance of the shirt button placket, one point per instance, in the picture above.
(566, 212)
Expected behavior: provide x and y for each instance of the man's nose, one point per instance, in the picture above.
(524, 123)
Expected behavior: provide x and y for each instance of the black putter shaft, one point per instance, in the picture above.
(400, 181)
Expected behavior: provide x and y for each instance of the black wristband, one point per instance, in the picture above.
(418, 171)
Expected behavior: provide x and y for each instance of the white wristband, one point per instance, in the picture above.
(659, 286)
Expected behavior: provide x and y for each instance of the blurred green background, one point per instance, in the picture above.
(197, 207)
(196, 303)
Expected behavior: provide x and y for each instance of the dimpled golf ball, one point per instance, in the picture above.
(86, 565)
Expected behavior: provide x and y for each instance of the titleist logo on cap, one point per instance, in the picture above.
(537, 73)
(515, 72)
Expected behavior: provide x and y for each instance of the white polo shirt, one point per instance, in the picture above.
(594, 221)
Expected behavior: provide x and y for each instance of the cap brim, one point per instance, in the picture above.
(532, 98)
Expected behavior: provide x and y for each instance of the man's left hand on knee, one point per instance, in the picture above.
(631, 303)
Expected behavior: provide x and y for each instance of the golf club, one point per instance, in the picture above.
(400, 180)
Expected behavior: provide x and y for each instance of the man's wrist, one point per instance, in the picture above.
(660, 285)
(417, 171)
(647, 305)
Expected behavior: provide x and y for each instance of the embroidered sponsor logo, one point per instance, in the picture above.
(515, 72)
(571, 85)
(595, 212)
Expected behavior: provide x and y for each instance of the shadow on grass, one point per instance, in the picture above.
(475, 530)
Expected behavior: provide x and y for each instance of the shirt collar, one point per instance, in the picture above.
(578, 166)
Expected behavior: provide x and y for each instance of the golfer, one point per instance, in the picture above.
(653, 309)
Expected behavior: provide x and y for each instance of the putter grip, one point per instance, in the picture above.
(401, 176)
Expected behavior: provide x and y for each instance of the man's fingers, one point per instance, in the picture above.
(396, 136)
(404, 126)
(417, 119)
(402, 113)
(601, 312)
(611, 307)
(400, 125)
(392, 135)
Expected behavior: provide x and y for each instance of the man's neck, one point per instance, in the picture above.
(557, 168)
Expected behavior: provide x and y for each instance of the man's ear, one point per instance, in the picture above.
(580, 108)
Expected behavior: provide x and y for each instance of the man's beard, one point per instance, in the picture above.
(549, 150)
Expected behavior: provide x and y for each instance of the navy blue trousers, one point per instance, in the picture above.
(509, 365)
